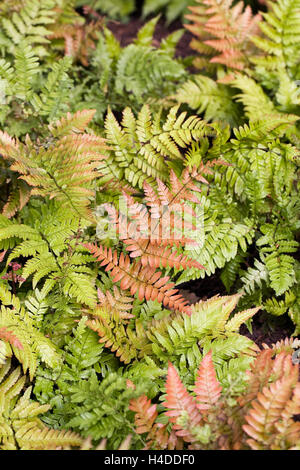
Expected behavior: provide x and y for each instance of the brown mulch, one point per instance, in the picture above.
(126, 33)
(268, 330)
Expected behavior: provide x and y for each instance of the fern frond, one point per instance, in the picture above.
(207, 388)
(264, 409)
(151, 81)
(281, 36)
(51, 100)
(7, 335)
(79, 39)
(145, 281)
(156, 257)
(20, 426)
(280, 266)
(140, 146)
(223, 28)
(211, 98)
(66, 168)
(27, 342)
(26, 67)
(181, 406)
(157, 435)
(271, 404)
(31, 22)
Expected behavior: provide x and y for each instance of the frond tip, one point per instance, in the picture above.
(208, 388)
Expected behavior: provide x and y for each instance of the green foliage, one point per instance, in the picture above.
(21, 428)
(95, 408)
(281, 37)
(133, 75)
(32, 99)
(143, 147)
(171, 8)
(30, 21)
(258, 190)
(54, 253)
(115, 9)
(213, 99)
(32, 344)
(124, 174)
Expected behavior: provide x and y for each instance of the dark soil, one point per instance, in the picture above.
(268, 330)
(265, 329)
(126, 33)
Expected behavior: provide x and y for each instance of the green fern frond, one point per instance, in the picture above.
(281, 30)
(51, 101)
(140, 145)
(31, 22)
(35, 345)
(213, 99)
(20, 426)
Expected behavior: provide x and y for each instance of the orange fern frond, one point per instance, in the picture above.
(262, 369)
(287, 345)
(79, 39)
(208, 388)
(182, 408)
(8, 145)
(276, 401)
(10, 338)
(18, 197)
(289, 430)
(224, 28)
(157, 434)
(118, 300)
(145, 281)
(157, 256)
(261, 418)
(146, 414)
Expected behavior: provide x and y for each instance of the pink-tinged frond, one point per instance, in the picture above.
(10, 337)
(208, 388)
(181, 405)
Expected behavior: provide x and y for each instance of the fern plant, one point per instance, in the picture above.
(44, 167)
(53, 254)
(112, 195)
(148, 343)
(33, 21)
(133, 75)
(265, 80)
(214, 419)
(29, 97)
(172, 9)
(252, 201)
(21, 336)
(280, 42)
(98, 409)
(91, 388)
(144, 148)
(224, 29)
(21, 427)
